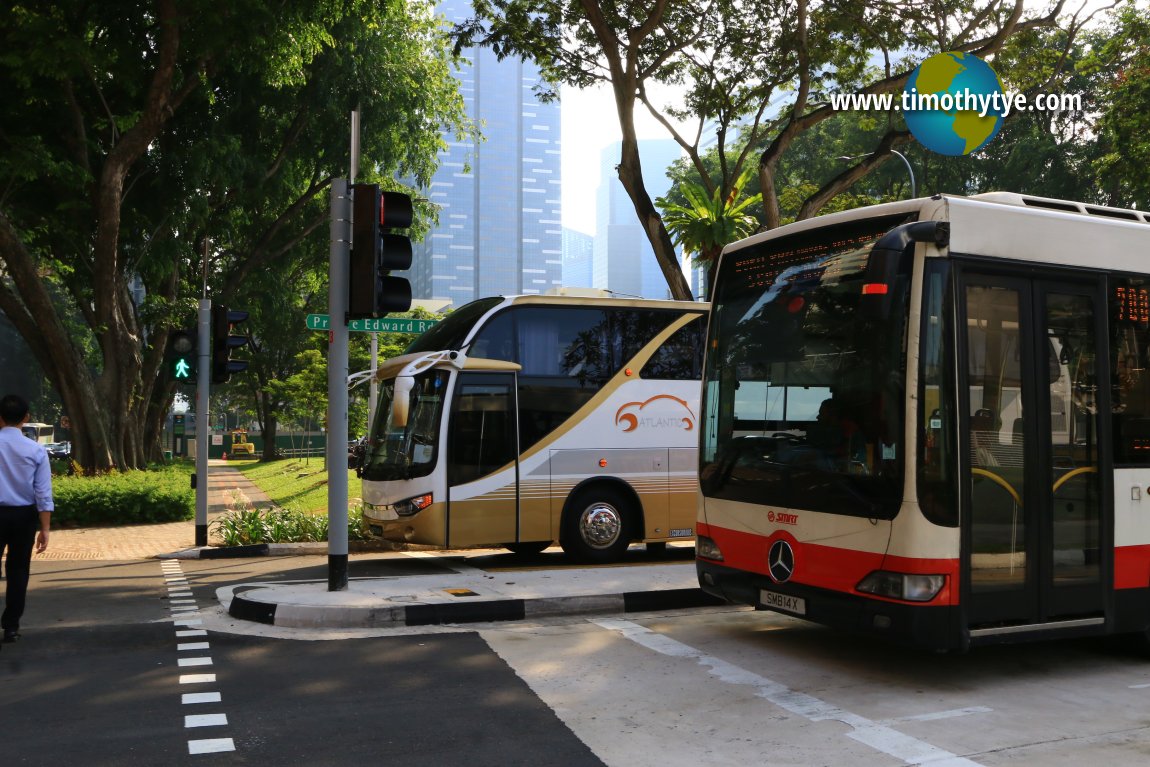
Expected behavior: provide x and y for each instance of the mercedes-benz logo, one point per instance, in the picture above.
(781, 561)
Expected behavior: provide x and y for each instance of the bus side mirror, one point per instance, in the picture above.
(401, 401)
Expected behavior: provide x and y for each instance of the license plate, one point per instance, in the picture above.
(776, 601)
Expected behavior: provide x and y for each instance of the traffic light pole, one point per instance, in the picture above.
(337, 298)
(203, 382)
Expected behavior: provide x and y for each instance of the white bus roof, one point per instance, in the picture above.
(1014, 226)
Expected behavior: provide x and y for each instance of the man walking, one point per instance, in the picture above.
(25, 507)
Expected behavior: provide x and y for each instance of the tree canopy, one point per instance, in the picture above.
(756, 76)
(152, 148)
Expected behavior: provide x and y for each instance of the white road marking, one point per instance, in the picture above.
(211, 746)
(878, 736)
(205, 720)
(940, 715)
(178, 589)
(1139, 686)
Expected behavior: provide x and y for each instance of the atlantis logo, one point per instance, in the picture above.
(660, 412)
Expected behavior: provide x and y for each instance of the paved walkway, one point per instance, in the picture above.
(226, 485)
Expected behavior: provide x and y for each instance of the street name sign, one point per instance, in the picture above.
(372, 325)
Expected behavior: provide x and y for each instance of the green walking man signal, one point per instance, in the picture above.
(182, 356)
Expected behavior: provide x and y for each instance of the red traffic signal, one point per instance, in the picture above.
(373, 290)
(223, 342)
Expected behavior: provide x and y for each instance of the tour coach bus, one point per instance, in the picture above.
(930, 420)
(518, 421)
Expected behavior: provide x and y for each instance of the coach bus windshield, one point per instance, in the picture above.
(411, 450)
(804, 377)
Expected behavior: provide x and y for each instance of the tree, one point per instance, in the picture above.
(707, 222)
(152, 145)
(756, 75)
(1121, 65)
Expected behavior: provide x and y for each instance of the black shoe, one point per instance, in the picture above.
(11, 635)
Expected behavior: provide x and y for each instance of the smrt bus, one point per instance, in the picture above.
(518, 421)
(930, 420)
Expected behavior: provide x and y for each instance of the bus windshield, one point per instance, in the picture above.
(804, 381)
(409, 451)
(450, 332)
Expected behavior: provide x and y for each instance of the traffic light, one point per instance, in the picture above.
(372, 290)
(223, 342)
(182, 356)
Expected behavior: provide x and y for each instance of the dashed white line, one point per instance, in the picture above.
(205, 720)
(211, 746)
(181, 602)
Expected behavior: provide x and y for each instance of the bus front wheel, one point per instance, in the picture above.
(597, 526)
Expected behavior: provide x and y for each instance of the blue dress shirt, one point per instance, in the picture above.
(25, 476)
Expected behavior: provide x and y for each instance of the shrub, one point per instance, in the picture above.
(162, 494)
(244, 526)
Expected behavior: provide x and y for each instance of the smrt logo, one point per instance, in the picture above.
(782, 518)
(662, 411)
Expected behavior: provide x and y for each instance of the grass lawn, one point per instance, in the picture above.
(294, 483)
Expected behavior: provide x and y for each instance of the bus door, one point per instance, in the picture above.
(482, 468)
(1035, 515)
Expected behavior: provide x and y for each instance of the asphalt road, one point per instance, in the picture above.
(109, 673)
(137, 664)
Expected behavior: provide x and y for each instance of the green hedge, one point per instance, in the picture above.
(163, 494)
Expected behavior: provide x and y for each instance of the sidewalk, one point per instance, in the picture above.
(148, 541)
(412, 588)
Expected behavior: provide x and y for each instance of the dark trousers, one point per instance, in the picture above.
(18, 528)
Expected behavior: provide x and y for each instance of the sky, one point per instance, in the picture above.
(589, 123)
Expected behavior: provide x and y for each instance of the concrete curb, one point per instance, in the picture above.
(265, 550)
(247, 606)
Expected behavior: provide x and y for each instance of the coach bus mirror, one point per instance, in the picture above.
(401, 401)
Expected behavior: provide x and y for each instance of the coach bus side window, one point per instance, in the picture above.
(496, 339)
(1130, 379)
(680, 358)
(565, 356)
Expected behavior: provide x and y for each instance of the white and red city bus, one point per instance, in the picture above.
(930, 420)
(521, 420)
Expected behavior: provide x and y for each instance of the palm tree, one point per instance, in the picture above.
(709, 221)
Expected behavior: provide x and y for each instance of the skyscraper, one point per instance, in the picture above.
(624, 260)
(500, 226)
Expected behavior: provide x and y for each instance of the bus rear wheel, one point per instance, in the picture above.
(597, 526)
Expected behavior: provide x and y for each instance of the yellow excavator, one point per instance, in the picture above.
(241, 446)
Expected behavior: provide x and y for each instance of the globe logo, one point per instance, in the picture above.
(953, 103)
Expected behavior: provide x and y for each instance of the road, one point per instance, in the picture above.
(104, 676)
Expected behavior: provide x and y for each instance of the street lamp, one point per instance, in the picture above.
(906, 162)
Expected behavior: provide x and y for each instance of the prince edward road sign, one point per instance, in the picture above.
(382, 325)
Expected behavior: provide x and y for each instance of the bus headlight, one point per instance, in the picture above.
(705, 548)
(414, 505)
(910, 588)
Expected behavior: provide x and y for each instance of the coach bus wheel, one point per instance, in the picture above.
(597, 526)
(527, 548)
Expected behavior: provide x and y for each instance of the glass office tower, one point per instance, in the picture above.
(500, 225)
